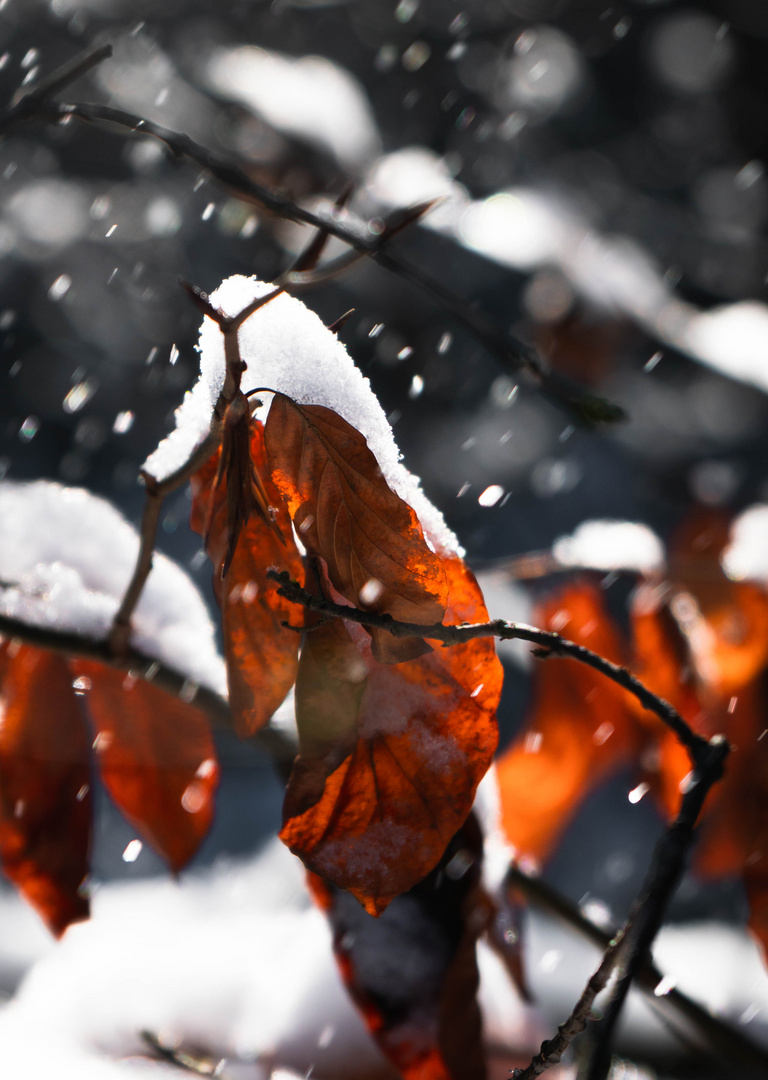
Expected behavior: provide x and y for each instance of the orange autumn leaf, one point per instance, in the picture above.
(346, 513)
(699, 641)
(45, 799)
(422, 737)
(156, 757)
(579, 730)
(704, 646)
(261, 654)
(726, 622)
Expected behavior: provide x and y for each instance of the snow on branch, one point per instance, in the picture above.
(67, 557)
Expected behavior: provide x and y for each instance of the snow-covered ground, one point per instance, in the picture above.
(238, 964)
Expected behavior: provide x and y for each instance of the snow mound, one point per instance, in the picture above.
(67, 557)
(287, 348)
(611, 545)
(747, 553)
(309, 97)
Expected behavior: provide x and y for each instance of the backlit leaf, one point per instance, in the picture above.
(423, 737)
(726, 622)
(261, 654)
(45, 800)
(345, 513)
(156, 758)
(578, 732)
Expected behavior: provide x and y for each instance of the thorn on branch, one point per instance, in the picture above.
(337, 326)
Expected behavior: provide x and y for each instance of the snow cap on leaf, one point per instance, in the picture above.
(287, 348)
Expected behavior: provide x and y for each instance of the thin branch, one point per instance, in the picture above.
(552, 1050)
(194, 1061)
(138, 663)
(629, 949)
(674, 1007)
(666, 869)
(359, 235)
(27, 100)
(549, 644)
(158, 489)
(141, 665)
(121, 625)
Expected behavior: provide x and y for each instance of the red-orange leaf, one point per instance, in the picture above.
(45, 801)
(156, 757)
(424, 734)
(579, 730)
(346, 513)
(261, 654)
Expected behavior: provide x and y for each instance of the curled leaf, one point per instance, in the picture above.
(246, 494)
(261, 653)
(346, 513)
(45, 791)
(422, 733)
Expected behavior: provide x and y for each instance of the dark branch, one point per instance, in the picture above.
(666, 869)
(684, 1015)
(143, 666)
(28, 99)
(194, 1061)
(549, 644)
(121, 626)
(628, 951)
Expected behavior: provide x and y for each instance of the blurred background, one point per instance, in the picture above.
(605, 201)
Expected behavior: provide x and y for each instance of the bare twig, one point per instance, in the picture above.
(28, 99)
(664, 873)
(158, 489)
(121, 626)
(549, 643)
(674, 1007)
(553, 1049)
(628, 951)
(141, 665)
(132, 660)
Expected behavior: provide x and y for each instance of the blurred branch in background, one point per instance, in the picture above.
(368, 238)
